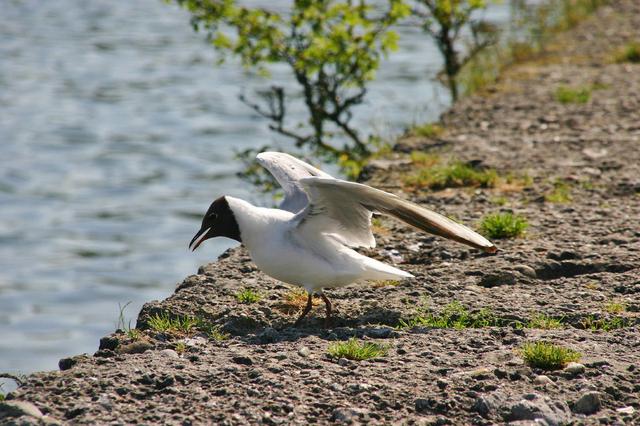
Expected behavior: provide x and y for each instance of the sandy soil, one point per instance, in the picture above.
(575, 260)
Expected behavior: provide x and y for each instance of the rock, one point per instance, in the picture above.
(66, 363)
(109, 343)
(105, 401)
(19, 408)
(422, 404)
(626, 410)
(169, 353)
(268, 335)
(537, 408)
(346, 415)
(483, 405)
(304, 352)
(542, 380)
(380, 333)
(75, 411)
(243, 360)
(497, 279)
(526, 270)
(138, 347)
(575, 368)
(588, 403)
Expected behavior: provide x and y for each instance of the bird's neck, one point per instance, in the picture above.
(256, 223)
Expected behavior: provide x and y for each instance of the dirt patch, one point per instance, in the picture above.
(579, 263)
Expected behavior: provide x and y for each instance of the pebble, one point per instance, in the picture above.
(626, 410)
(526, 270)
(423, 404)
(575, 368)
(304, 352)
(380, 333)
(135, 347)
(588, 403)
(244, 360)
(537, 410)
(543, 380)
(169, 353)
(497, 279)
(268, 335)
(346, 415)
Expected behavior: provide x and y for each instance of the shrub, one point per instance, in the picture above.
(569, 95)
(453, 175)
(355, 350)
(629, 53)
(248, 296)
(503, 225)
(547, 355)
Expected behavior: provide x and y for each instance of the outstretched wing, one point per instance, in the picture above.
(344, 209)
(288, 171)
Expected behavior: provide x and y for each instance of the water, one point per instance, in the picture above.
(116, 132)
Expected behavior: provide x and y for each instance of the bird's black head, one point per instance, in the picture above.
(219, 221)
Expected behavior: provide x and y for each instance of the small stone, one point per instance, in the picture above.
(481, 374)
(244, 360)
(18, 408)
(344, 362)
(526, 270)
(423, 404)
(268, 335)
(169, 353)
(346, 415)
(105, 401)
(109, 342)
(380, 333)
(66, 363)
(483, 406)
(304, 352)
(543, 380)
(497, 279)
(138, 347)
(626, 410)
(588, 403)
(575, 368)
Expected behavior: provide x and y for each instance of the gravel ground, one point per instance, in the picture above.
(579, 262)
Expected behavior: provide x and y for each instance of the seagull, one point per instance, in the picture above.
(309, 240)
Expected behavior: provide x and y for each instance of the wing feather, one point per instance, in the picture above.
(344, 208)
(288, 171)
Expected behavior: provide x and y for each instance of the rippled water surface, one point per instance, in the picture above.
(116, 132)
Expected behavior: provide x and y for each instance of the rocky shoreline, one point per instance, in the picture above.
(203, 357)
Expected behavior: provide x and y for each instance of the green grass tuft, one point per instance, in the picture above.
(503, 225)
(544, 322)
(180, 347)
(560, 194)
(429, 130)
(547, 355)
(424, 159)
(452, 175)
(629, 53)
(605, 324)
(454, 315)
(569, 95)
(355, 350)
(132, 333)
(177, 324)
(248, 296)
(615, 307)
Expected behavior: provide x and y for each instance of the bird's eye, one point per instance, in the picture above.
(213, 216)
